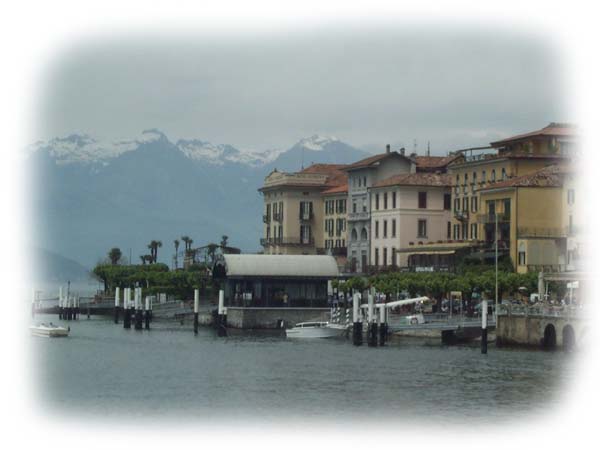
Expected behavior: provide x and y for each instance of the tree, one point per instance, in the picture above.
(114, 255)
(176, 243)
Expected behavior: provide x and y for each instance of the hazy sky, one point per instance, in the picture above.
(455, 87)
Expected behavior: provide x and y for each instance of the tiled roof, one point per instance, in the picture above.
(417, 179)
(366, 162)
(335, 174)
(434, 162)
(337, 189)
(553, 129)
(550, 176)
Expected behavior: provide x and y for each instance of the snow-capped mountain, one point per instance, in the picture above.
(92, 195)
(88, 150)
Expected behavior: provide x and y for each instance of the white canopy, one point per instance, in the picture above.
(297, 266)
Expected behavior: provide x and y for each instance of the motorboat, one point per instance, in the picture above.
(316, 330)
(48, 330)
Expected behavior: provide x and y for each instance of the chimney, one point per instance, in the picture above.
(387, 148)
(402, 151)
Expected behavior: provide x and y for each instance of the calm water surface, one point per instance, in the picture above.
(104, 370)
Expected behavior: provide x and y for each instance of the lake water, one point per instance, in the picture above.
(102, 370)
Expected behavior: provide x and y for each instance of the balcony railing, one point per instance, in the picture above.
(541, 232)
(266, 218)
(306, 216)
(463, 216)
(364, 215)
(278, 217)
(491, 218)
(334, 251)
(287, 241)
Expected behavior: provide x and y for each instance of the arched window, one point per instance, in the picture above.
(363, 234)
(493, 175)
(354, 234)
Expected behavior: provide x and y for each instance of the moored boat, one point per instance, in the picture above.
(48, 330)
(315, 330)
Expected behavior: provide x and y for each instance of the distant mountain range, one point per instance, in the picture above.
(91, 195)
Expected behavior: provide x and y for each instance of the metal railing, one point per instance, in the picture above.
(461, 215)
(306, 215)
(364, 215)
(278, 217)
(266, 218)
(542, 309)
(491, 218)
(541, 232)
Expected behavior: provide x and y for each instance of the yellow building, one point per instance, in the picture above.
(485, 168)
(531, 219)
(335, 223)
(294, 211)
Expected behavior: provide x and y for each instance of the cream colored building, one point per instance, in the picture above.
(294, 209)
(407, 210)
(335, 223)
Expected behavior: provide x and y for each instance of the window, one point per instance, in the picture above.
(465, 231)
(456, 232)
(474, 178)
(305, 234)
(306, 210)
(522, 258)
(571, 196)
(422, 228)
(376, 256)
(503, 173)
(364, 205)
(394, 256)
(363, 234)
(359, 182)
(354, 234)
(385, 228)
(507, 207)
(465, 207)
(385, 200)
(456, 204)
(365, 181)
(393, 227)
(466, 179)
(385, 256)
(493, 175)
(449, 231)
(474, 231)
(474, 204)
(353, 206)
(394, 199)
(268, 212)
(376, 229)
(483, 176)
(376, 201)
(422, 200)
(447, 202)
(570, 225)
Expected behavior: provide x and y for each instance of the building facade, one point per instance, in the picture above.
(361, 176)
(487, 168)
(408, 210)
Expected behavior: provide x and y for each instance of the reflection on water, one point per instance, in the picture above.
(103, 369)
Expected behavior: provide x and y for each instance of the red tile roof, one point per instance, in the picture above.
(417, 179)
(335, 174)
(426, 163)
(336, 189)
(371, 160)
(553, 129)
(549, 176)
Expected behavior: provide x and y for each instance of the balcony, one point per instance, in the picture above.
(503, 245)
(266, 218)
(278, 217)
(306, 216)
(491, 218)
(287, 241)
(463, 216)
(358, 215)
(533, 232)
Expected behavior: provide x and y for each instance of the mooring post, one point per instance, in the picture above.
(138, 309)
(221, 315)
(147, 313)
(382, 324)
(117, 300)
(60, 301)
(357, 334)
(196, 306)
(484, 326)
(126, 310)
(372, 324)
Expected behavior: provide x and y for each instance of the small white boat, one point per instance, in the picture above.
(48, 330)
(315, 330)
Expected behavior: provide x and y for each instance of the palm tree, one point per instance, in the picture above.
(176, 243)
(114, 255)
(157, 245)
(186, 240)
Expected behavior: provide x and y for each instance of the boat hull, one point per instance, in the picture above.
(315, 332)
(49, 332)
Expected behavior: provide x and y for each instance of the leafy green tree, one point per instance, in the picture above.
(114, 255)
